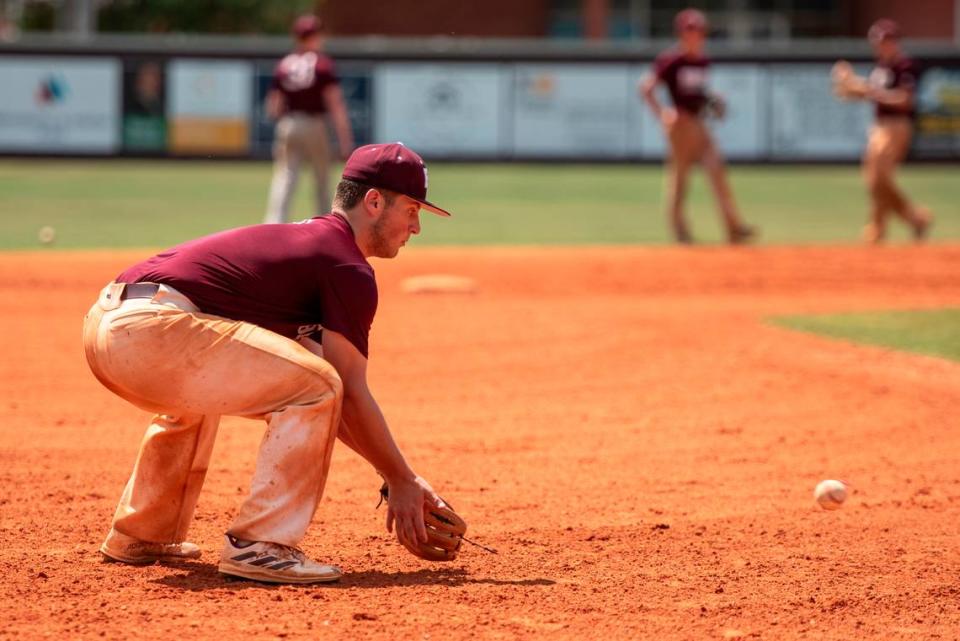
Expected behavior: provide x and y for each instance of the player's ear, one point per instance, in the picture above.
(374, 202)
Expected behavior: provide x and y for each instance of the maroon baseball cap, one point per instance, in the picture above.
(883, 29)
(690, 20)
(305, 26)
(394, 167)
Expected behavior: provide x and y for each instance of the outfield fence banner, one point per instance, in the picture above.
(144, 106)
(261, 125)
(807, 120)
(571, 110)
(209, 106)
(160, 104)
(56, 104)
(357, 85)
(938, 113)
(454, 109)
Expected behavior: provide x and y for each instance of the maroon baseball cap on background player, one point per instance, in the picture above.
(391, 166)
(883, 29)
(690, 20)
(306, 26)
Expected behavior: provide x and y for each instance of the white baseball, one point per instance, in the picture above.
(830, 494)
(47, 235)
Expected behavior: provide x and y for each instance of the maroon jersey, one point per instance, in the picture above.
(302, 78)
(900, 74)
(685, 78)
(294, 279)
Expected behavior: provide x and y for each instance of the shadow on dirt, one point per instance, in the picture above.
(197, 577)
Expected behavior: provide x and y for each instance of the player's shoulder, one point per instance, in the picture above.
(908, 65)
(334, 235)
(324, 61)
(667, 57)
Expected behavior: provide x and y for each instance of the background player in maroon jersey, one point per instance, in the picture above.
(683, 70)
(891, 86)
(305, 90)
(268, 321)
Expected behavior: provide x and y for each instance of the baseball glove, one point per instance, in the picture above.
(445, 530)
(715, 107)
(847, 85)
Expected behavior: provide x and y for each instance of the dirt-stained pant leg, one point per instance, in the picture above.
(887, 146)
(716, 170)
(687, 140)
(299, 137)
(317, 148)
(192, 368)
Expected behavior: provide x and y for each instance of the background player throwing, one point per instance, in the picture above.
(891, 86)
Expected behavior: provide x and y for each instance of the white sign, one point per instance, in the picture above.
(740, 134)
(59, 104)
(441, 109)
(209, 89)
(572, 110)
(807, 121)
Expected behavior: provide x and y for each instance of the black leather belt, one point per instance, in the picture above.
(139, 290)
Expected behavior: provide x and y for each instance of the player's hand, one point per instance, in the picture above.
(405, 509)
(668, 118)
(716, 107)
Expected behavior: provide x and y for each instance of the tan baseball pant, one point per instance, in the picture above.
(298, 138)
(887, 145)
(164, 356)
(691, 143)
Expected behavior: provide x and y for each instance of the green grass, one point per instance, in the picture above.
(932, 332)
(139, 203)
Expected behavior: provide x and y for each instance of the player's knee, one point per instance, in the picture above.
(326, 384)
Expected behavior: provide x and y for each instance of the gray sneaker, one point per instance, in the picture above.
(127, 549)
(273, 563)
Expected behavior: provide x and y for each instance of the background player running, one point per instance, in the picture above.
(305, 90)
(683, 69)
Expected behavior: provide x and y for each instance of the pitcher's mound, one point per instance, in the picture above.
(439, 284)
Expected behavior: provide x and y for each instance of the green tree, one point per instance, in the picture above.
(202, 16)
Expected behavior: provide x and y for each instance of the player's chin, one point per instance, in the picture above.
(391, 252)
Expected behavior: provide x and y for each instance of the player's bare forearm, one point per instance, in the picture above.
(899, 98)
(274, 105)
(365, 431)
(363, 428)
(649, 94)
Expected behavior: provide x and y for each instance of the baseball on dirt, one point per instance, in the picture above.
(830, 494)
(47, 235)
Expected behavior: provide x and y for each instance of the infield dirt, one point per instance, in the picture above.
(620, 423)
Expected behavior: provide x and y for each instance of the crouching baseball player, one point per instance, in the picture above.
(266, 321)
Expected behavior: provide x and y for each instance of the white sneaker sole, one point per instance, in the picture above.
(113, 555)
(265, 575)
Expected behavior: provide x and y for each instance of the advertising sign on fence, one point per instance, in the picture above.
(209, 106)
(441, 109)
(59, 105)
(807, 120)
(938, 113)
(571, 110)
(144, 106)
